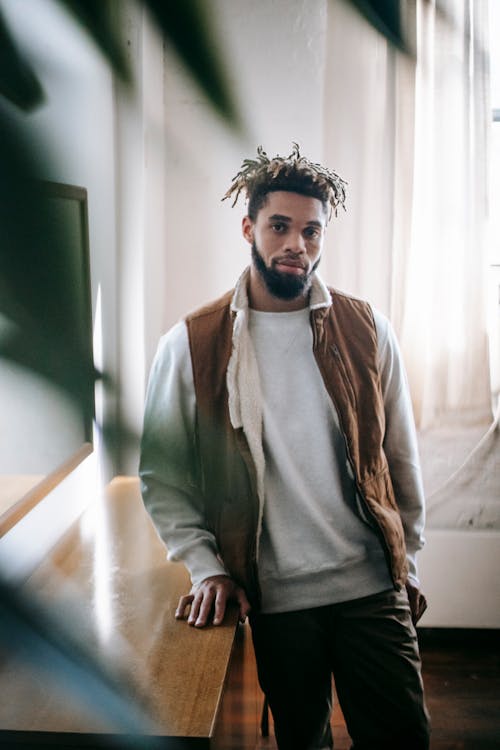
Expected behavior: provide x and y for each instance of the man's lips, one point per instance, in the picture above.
(287, 265)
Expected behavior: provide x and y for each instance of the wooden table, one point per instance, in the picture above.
(111, 574)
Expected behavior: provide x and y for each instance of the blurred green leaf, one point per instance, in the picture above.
(99, 18)
(18, 82)
(185, 25)
(385, 16)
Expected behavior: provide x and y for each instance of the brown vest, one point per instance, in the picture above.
(345, 348)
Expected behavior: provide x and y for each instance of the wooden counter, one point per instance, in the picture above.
(111, 574)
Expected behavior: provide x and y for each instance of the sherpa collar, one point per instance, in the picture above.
(318, 298)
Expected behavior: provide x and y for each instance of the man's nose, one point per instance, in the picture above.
(296, 243)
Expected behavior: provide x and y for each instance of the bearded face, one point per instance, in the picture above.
(286, 237)
(285, 285)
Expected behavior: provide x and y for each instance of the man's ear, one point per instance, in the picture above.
(247, 229)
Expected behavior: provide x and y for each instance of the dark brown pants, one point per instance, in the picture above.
(370, 646)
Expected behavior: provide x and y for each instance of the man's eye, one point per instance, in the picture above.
(278, 226)
(311, 233)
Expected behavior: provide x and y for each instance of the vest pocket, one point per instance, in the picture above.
(379, 498)
(378, 489)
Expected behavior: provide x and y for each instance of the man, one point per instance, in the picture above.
(279, 462)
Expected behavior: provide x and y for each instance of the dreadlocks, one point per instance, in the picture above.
(295, 173)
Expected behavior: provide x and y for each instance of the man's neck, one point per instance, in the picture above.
(261, 299)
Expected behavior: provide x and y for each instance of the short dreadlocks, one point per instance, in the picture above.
(295, 173)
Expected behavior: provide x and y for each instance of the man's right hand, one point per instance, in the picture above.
(211, 596)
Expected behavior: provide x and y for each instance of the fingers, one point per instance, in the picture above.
(208, 601)
(202, 605)
(184, 603)
(221, 598)
(242, 600)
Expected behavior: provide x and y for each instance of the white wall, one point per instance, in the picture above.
(275, 58)
(32, 410)
(142, 251)
(459, 575)
(360, 143)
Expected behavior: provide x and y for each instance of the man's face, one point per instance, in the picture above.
(286, 239)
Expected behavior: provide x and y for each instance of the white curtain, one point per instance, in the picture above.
(443, 324)
(410, 137)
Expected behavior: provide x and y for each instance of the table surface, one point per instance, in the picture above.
(109, 575)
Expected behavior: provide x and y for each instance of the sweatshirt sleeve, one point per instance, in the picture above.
(168, 459)
(400, 442)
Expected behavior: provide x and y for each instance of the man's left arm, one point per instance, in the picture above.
(401, 449)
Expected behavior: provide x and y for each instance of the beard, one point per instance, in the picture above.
(282, 285)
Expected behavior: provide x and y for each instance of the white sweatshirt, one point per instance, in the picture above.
(314, 547)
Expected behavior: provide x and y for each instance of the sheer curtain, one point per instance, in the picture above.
(444, 312)
(411, 138)
(441, 285)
